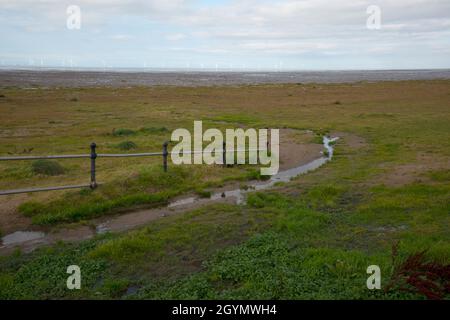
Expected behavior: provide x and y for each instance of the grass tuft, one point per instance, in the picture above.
(203, 193)
(123, 132)
(154, 130)
(47, 167)
(126, 145)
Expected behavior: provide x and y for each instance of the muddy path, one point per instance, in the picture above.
(296, 159)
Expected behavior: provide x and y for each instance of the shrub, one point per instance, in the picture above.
(47, 167)
(127, 145)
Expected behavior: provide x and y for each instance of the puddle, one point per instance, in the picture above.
(135, 219)
(21, 237)
(282, 176)
(101, 228)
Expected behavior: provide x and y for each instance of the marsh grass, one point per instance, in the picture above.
(123, 132)
(203, 193)
(311, 238)
(126, 145)
(154, 130)
(47, 167)
(440, 175)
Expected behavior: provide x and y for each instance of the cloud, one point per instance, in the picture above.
(240, 27)
(176, 36)
(121, 37)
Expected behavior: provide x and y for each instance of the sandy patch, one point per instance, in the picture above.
(294, 152)
(351, 140)
(10, 219)
(416, 172)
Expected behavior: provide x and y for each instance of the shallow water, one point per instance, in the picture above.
(282, 176)
(21, 236)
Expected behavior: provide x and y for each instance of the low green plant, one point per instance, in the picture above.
(91, 210)
(31, 208)
(255, 174)
(154, 130)
(47, 167)
(115, 288)
(203, 193)
(123, 132)
(440, 175)
(126, 145)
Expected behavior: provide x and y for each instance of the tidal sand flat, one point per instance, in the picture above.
(137, 77)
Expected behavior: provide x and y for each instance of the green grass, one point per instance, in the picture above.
(311, 238)
(123, 132)
(154, 130)
(277, 247)
(440, 175)
(203, 193)
(150, 187)
(47, 167)
(43, 215)
(126, 145)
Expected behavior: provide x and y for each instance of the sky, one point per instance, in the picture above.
(227, 34)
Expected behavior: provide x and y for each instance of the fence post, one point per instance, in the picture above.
(224, 154)
(93, 157)
(165, 154)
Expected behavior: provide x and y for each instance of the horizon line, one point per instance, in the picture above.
(199, 70)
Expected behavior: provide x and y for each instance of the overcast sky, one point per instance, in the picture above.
(227, 34)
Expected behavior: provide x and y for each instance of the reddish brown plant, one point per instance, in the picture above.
(418, 275)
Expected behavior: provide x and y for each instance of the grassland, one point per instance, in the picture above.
(387, 187)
